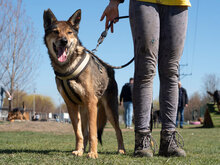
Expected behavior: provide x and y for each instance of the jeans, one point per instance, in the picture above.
(158, 33)
(1, 103)
(128, 107)
(181, 112)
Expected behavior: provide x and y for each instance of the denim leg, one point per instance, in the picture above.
(181, 116)
(1, 103)
(126, 106)
(130, 113)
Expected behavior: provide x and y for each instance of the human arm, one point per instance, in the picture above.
(121, 95)
(3, 90)
(111, 12)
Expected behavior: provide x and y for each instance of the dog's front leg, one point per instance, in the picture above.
(92, 110)
(76, 122)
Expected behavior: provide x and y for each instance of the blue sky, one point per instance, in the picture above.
(201, 52)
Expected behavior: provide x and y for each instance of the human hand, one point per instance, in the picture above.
(10, 97)
(110, 12)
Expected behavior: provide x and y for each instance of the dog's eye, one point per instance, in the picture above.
(70, 32)
(56, 31)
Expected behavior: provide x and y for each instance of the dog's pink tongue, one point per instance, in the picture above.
(62, 55)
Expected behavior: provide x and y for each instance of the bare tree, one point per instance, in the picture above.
(195, 103)
(17, 47)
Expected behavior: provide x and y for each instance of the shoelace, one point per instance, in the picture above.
(153, 144)
(177, 140)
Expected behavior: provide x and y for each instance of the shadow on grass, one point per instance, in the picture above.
(107, 153)
(13, 151)
(217, 126)
(46, 152)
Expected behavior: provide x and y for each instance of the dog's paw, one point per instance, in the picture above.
(78, 153)
(93, 155)
(121, 151)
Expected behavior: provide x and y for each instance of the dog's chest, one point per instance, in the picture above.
(92, 82)
(71, 90)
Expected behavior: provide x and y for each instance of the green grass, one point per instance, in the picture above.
(202, 147)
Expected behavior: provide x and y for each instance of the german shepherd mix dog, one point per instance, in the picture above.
(86, 84)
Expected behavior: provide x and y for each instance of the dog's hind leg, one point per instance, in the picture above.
(101, 121)
(111, 109)
(76, 122)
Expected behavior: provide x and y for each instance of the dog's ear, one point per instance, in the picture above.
(49, 18)
(74, 20)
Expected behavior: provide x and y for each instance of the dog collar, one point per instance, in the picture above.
(75, 72)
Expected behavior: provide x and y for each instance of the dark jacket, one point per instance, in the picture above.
(126, 93)
(183, 98)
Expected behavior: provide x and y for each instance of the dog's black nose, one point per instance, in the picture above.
(63, 41)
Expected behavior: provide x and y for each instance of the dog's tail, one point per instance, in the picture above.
(101, 122)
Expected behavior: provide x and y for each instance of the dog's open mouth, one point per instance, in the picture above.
(61, 53)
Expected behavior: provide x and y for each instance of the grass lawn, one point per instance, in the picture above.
(202, 147)
(24, 144)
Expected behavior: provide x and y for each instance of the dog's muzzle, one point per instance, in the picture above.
(61, 50)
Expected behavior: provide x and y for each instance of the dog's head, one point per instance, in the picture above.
(61, 36)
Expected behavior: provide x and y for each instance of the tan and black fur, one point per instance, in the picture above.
(95, 87)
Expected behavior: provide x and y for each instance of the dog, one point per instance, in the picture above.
(216, 97)
(18, 114)
(86, 84)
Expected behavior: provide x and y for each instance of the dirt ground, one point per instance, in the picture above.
(36, 126)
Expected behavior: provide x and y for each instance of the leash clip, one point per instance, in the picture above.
(105, 32)
(101, 39)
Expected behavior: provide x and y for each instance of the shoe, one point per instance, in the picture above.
(130, 127)
(170, 145)
(144, 144)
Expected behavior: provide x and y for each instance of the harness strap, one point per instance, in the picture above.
(71, 94)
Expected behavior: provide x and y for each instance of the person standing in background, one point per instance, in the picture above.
(182, 103)
(126, 98)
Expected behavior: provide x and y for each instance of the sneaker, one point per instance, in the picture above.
(181, 127)
(144, 144)
(130, 127)
(170, 145)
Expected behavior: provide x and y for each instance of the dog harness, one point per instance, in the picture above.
(64, 78)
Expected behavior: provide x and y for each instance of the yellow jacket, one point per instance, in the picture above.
(170, 2)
